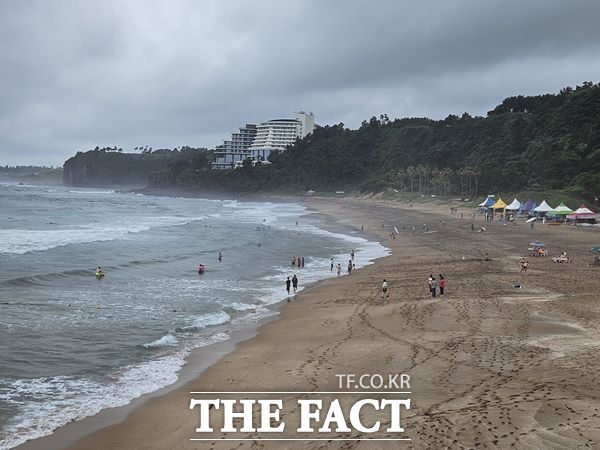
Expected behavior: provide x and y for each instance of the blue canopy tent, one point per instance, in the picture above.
(489, 201)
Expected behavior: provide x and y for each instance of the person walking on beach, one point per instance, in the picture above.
(430, 283)
(441, 284)
(295, 283)
(288, 282)
(434, 286)
(331, 268)
(384, 289)
(339, 269)
(524, 266)
(349, 267)
(220, 257)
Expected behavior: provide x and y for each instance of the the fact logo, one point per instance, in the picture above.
(376, 409)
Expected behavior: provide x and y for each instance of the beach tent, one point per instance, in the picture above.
(528, 206)
(583, 214)
(514, 206)
(543, 208)
(499, 205)
(489, 201)
(562, 210)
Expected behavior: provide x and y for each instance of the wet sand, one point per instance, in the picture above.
(491, 365)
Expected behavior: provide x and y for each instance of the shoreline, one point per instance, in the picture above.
(198, 360)
(489, 364)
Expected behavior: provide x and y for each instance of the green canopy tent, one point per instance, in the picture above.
(562, 210)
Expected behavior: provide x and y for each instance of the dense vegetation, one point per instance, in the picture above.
(108, 166)
(31, 174)
(544, 142)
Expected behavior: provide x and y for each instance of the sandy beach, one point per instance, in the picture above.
(491, 365)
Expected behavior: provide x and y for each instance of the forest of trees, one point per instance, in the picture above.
(549, 141)
(109, 166)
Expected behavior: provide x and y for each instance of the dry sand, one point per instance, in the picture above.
(491, 365)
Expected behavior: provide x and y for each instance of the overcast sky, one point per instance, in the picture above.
(76, 74)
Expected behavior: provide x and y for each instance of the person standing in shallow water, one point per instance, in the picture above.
(288, 282)
(352, 255)
(339, 269)
(331, 268)
(349, 267)
(295, 283)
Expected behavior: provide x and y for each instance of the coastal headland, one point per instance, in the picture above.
(503, 360)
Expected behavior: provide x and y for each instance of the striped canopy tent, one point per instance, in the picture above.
(562, 210)
(499, 205)
(543, 208)
(514, 206)
(488, 202)
(583, 214)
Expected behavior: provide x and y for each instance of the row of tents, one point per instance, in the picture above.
(530, 208)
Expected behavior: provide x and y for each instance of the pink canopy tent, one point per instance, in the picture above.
(583, 214)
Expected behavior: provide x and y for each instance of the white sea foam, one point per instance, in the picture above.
(45, 404)
(56, 401)
(17, 241)
(168, 340)
(206, 320)
(212, 319)
(241, 306)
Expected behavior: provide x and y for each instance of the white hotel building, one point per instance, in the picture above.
(276, 134)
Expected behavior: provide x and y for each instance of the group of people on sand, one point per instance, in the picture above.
(298, 261)
(434, 285)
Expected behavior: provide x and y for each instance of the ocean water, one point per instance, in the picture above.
(72, 345)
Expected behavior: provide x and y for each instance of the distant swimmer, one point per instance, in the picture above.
(201, 268)
(220, 257)
(99, 272)
(259, 244)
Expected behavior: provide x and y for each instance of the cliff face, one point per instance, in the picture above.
(100, 168)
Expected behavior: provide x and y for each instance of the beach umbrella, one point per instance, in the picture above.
(562, 210)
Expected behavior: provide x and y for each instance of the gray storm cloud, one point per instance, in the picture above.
(75, 74)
